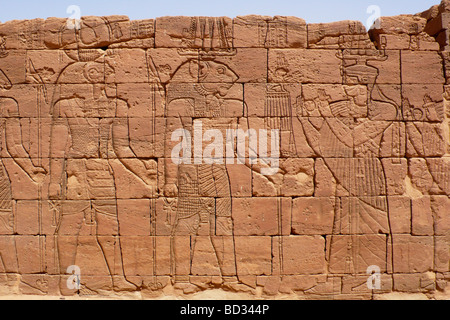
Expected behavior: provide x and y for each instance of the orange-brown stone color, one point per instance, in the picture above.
(362, 181)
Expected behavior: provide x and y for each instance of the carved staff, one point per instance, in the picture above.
(41, 97)
(153, 76)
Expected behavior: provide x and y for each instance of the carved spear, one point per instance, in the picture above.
(41, 93)
(153, 76)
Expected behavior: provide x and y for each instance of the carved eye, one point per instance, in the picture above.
(221, 70)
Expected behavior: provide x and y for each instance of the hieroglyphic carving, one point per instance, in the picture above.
(11, 140)
(254, 31)
(206, 33)
(85, 135)
(337, 137)
(88, 179)
(203, 205)
(31, 36)
(142, 29)
(273, 34)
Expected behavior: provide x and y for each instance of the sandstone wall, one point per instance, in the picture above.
(87, 178)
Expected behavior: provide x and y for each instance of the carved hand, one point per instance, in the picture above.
(39, 175)
(54, 191)
(171, 190)
(323, 104)
(150, 173)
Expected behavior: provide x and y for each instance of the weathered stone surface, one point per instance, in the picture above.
(437, 27)
(422, 67)
(13, 66)
(126, 66)
(134, 217)
(304, 66)
(139, 262)
(300, 254)
(312, 216)
(353, 285)
(403, 32)
(442, 254)
(240, 180)
(441, 218)
(25, 34)
(422, 217)
(254, 255)
(92, 32)
(294, 179)
(395, 171)
(421, 178)
(415, 282)
(135, 152)
(338, 35)
(27, 218)
(400, 214)
(406, 24)
(403, 41)
(261, 216)
(431, 13)
(413, 254)
(446, 61)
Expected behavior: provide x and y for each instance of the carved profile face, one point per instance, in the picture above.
(212, 71)
(359, 96)
(93, 73)
(215, 77)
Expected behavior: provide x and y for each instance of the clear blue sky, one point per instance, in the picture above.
(310, 10)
